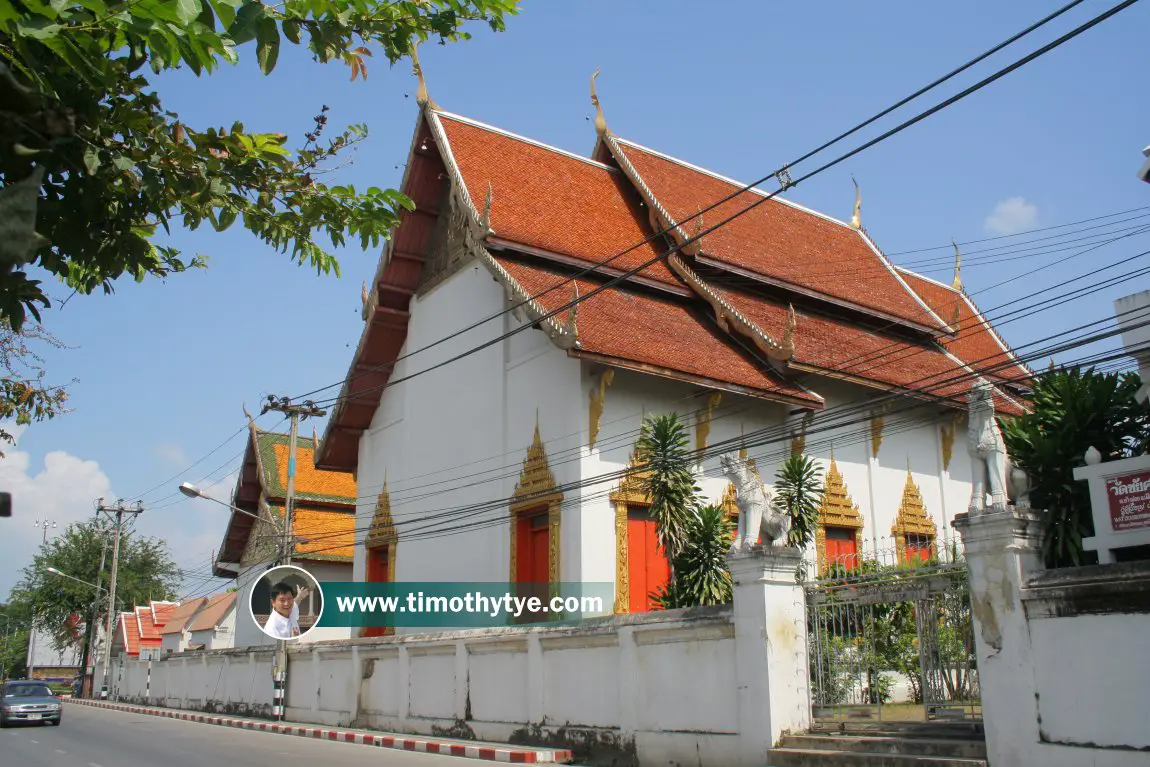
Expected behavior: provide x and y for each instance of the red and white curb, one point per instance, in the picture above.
(514, 755)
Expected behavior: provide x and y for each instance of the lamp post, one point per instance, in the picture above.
(1144, 171)
(191, 491)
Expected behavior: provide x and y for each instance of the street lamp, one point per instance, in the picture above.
(1144, 171)
(98, 589)
(190, 490)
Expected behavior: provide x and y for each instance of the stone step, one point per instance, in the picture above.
(805, 757)
(952, 747)
(935, 730)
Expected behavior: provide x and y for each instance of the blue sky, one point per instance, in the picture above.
(165, 367)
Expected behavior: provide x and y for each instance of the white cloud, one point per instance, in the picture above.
(174, 455)
(63, 490)
(1012, 216)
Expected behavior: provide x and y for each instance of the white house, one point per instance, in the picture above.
(783, 330)
(174, 635)
(214, 625)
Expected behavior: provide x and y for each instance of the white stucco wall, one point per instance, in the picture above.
(451, 442)
(1101, 702)
(611, 681)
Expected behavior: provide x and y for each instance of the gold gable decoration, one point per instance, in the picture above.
(631, 491)
(535, 490)
(836, 510)
(912, 519)
(382, 531)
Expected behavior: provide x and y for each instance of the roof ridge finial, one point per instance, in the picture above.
(422, 97)
(957, 284)
(600, 120)
(856, 219)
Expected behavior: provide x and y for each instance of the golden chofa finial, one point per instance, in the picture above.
(856, 219)
(422, 97)
(600, 121)
(957, 284)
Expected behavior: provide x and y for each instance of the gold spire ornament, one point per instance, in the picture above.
(957, 284)
(856, 219)
(600, 121)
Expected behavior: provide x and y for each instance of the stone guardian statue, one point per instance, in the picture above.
(756, 515)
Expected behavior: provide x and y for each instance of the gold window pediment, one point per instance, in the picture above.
(837, 509)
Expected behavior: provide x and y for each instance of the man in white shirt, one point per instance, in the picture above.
(283, 623)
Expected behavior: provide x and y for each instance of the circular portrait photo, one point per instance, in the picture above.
(286, 602)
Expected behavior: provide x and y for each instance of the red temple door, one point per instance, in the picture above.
(648, 568)
(842, 547)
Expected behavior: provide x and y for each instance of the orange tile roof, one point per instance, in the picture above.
(308, 479)
(853, 351)
(663, 333)
(975, 344)
(545, 198)
(162, 612)
(149, 634)
(331, 534)
(130, 633)
(780, 242)
(180, 615)
(213, 612)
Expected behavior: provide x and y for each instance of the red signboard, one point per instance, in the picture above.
(1129, 496)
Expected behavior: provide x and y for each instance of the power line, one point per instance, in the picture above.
(778, 173)
(765, 436)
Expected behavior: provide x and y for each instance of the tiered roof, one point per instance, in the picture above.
(323, 509)
(765, 306)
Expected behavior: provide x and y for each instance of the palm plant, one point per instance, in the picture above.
(669, 480)
(701, 574)
(799, 489)
(1072, 411)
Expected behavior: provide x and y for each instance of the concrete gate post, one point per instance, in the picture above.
(1002, 550)
(771, 667)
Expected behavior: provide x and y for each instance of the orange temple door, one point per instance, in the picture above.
(842, 547)
(377, 572)
(648, 567)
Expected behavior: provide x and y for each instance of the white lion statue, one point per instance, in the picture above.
(990, 466)
(756, 515)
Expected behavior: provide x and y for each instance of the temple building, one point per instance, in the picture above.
(322, 531)
(490, 425)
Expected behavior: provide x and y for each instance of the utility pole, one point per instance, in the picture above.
(306, 410)
(94, 629)
(119, 510)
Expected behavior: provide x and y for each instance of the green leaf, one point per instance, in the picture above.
(188, 10)
(226, 10)
(247, 23)
(38, 29)
(291, 30)
(269, 44)
(91, 160)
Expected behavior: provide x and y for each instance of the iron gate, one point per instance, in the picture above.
(892, 641)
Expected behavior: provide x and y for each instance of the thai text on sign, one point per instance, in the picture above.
(1129, 497)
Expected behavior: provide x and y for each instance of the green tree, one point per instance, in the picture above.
(47, 601)
(799, 489)
(1071, 411)
(664, 448)
(92, 166)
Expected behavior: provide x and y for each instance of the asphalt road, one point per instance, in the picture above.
(92, 737)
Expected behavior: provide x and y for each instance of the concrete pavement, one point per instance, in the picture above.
(92, 737)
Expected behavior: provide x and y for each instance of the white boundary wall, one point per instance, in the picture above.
(634, 689)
